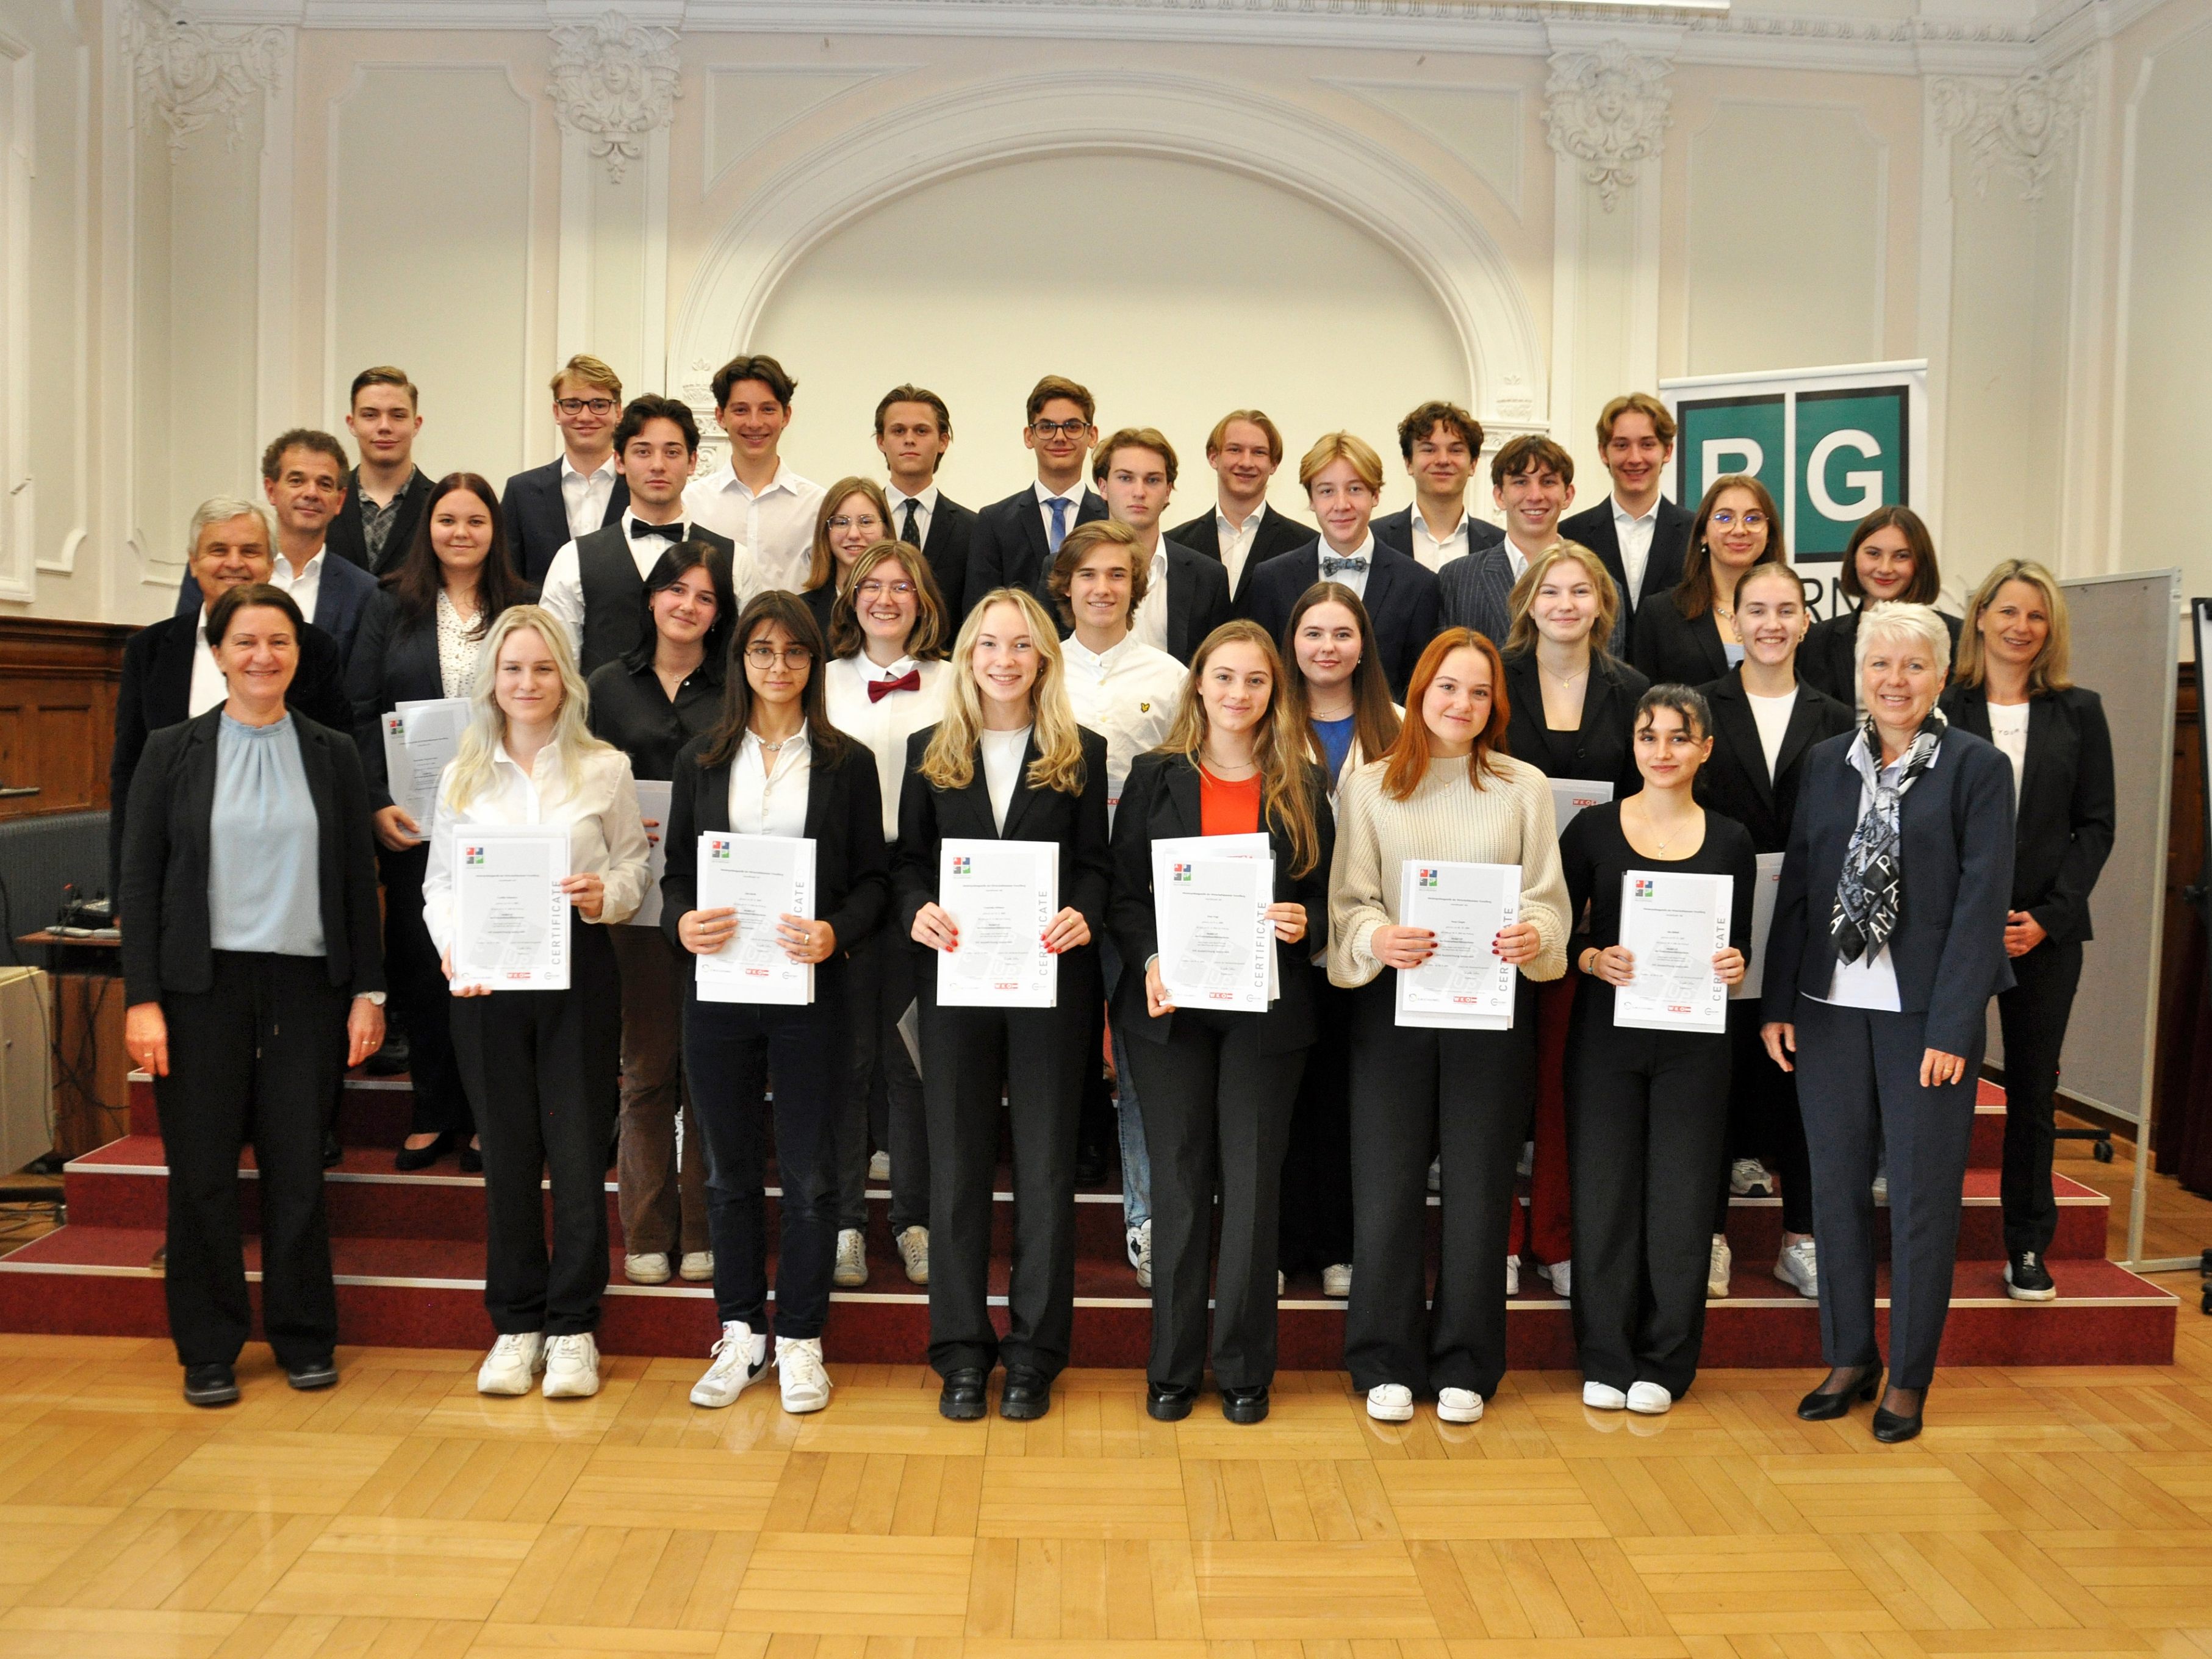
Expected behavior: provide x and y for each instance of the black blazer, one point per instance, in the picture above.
(1278, 533)
(538, 519)
(948, 544)
(1675, 649)
(1662, 566)
(346, 538)
(394, 661)
(1948, 945)
(820, 601)
(1829, 656)
(1396, 532)
(1402, 603)
(1197, 599)
(1160, 801)
(1735, 783)
(1604, 745)
(844, 820)
(341, 601)
(157, 691)
(167, 928)
(2064, 823)
(1007, 547)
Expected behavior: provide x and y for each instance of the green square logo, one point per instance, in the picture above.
(1850, 459)
(1722, 436)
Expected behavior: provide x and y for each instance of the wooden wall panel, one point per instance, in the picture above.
(57, 690)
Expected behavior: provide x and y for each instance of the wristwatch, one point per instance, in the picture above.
(375, 997)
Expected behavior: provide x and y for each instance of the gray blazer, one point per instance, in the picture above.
(1476, 587)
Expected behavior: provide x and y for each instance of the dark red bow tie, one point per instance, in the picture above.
(909, 681)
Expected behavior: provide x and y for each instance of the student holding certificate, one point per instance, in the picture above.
(1006, 763)
(1647, 1106)
(541, 1065)
(1218, 1085)
(772, 765)
(1446, 790)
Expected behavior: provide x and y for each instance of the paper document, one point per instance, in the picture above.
(1672, 924)
(1217, 945)
(1753, 983)
(1571, 795)
(764, 878)
(1001, 896)
(653, 807)
(1466, 985)
(513, 931)
(419, 737)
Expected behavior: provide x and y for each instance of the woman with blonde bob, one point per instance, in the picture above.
(541, 1066)
(1218, 1086)
(1005, 761)
(1447, 790)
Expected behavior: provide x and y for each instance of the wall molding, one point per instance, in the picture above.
(2025, 125)
(191, 74)
(1605, 109)
(614, 83)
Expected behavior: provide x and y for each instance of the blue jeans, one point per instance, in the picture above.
(1136, 1163)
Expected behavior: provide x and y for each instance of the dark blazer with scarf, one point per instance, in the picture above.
(1396, 532)
(1604, 743)
(1955, 827)
(1402, 601)
(1829, 656)
(1008, 548)
(948, 544)
(1662, 564)
(1160, 801)
(844, 820)
(348, 540)
(341, 599)
(167, 928)
(1277, 533)
(1734, 781)
(2065, 820)
(537, 517)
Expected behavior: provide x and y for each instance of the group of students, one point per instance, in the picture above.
(1056, 669)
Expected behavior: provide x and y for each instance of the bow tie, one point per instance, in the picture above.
(672, 532)
(909, 681)
(1330, 564)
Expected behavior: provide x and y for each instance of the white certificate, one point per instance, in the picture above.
(1672, 924)
(1768, 884)
(419, 737)
(1466, 984)
(653, 807)
(513, 915)
(1001, 896)
(1571, 795)
(1217, 945)
(763, 878)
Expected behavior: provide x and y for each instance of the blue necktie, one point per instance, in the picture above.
(1059, 530)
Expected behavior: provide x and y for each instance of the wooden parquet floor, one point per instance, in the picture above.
(2044, 1512)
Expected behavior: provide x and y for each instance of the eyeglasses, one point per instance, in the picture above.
(1060, 428)
(839, 526)
(578, 405)
(872, 589)
(767, 656)
(1754, 519)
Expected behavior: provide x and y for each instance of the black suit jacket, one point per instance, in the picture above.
(1679, 650)
(1402, 603)
(2065, 820)
(1829, 656)
(1007, 548)
(1734, 781)
(948, 545)
(1475, 591)
(1948, 945)
(156, 691)
(347, 540)
(538, 519)
(1160, 801)
(1278, 533)
(1604, 746)
(167, 928)
(1197, 599)
(395, 661)
(341, 601)
(844, 820)
(1396, 532)
(1662, 566)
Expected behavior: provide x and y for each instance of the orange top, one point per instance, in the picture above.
(1225, 808)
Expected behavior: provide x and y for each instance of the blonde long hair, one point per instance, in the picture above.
(487, 728)
(2050, 671)
(1279, 743)
(949, 762)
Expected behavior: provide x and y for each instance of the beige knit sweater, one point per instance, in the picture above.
(1507, 821)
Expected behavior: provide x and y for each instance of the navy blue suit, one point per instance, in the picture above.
(1402, 602)
(341, 601)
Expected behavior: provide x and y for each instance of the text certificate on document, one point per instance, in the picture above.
(1217, 945)
(1673, 926)
(1752, 985)
(1466, 984)
(652, 798)
(763, 878)
(1001, 896)
(513, 916)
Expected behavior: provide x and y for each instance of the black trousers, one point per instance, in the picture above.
(730, 1048)
(419, 997)
(1316, 1227)
(1858, 1075)
(1764, 1121)
(1470, 1095)
(252, 1060)
(880, 1095)
(1037, 1057)
(542, 1068)
(1647, 1123)
(1216, 1109)
(2033, 1017)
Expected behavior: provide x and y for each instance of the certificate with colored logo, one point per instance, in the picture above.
(1001, 896)
(1672, 927)
(763, 878)
(1217, 945)
(513, 933)
(1465, 985)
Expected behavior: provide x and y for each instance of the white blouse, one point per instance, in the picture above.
(1002, 769)
(885, 725)
(768, 798)
(459, 647)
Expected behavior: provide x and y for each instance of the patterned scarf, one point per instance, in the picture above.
(1874, 868)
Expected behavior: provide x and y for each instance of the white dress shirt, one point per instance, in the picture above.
(1002, 769)
(209, 686)
(885, 725)
(585, 496)
(1129, 694)
(1149, 624)
(1437, 552)
(305, 587)
(1354, 580)
(1871, 981)
(925, 511)
(1236, 538)
(1633, 532)
(606, 830)
(769, 797)
(563, 590)
(1045, 498)
(775, 527)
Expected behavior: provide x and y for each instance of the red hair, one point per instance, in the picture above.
(1408, 759)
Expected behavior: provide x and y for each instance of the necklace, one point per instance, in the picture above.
(1651, 830)
(1228, 774)
(1566, 679)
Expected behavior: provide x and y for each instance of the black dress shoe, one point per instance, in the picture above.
(409, 1158)
(331, 1151)
(1820, 1408)
(471, 1160)
(1891, 1427)
(210, 1385)
(1169, 1402)
(321, 1372)
(392, 1059)
(1027, 1394)
(1090, 1165)
(963, 1397)
(1244, 1405)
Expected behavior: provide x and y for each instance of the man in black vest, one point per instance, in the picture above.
(596, 584)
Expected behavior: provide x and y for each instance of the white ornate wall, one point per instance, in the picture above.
(1332, 207)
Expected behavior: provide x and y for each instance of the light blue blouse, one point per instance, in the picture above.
(264, 889)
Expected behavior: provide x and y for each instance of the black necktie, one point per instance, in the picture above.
(670, 532)
(911, 535)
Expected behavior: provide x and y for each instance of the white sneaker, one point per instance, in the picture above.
(1459, 1406)
(1603, 1397)
(697, 1267)
(1390, 1403)
(1562, 1275)
(650, 1269)
(1512, 1275)
(1881, 1187)
(913, 1251)
(1140, 1241)
(1526, 1166)
(1747, 1178)
(852, 1259)
(879, 1167)
(511, 1363)
(740, 1356)
(1718, 1267)
(1336, 1280)
(1437, 1173)
(572, 1367)
(1649, 1399)
(1798, 1267)
(1279, 1282)
(799, 1366)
